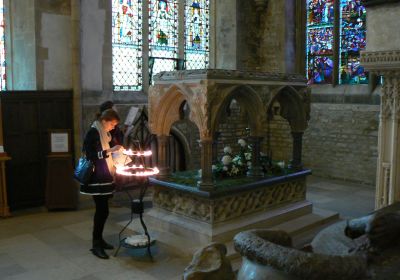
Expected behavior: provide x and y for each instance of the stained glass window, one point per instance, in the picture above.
(320, 23)
(127, 44)
(2, 48)
(321, 37)
(163, 35)
(352, 33)
(196, 34)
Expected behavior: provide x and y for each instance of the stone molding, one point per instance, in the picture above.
(211, 74)
(214, 210)
(381, 61)
(370, 3)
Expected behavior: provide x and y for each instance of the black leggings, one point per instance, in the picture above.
(100, 217)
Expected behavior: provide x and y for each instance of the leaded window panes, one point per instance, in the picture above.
(322, 30)
(320, 22)
(196, 34)
(2, 48)
(163, 30)
(352, 33)
(127, 44)
(163, 35)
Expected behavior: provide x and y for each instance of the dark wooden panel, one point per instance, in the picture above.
(27, 116)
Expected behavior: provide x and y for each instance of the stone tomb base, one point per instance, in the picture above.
(188, 219)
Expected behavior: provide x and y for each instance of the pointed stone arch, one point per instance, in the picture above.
(166, 110)
(294, 106)
(248, 98)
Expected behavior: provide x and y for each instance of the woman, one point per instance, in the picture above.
(101, 186)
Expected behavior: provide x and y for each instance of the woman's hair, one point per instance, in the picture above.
(106, 105)
(108, 115)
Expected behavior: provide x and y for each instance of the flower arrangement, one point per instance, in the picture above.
(234, 165)
(238, 165)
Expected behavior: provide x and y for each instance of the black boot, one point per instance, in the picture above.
(106, 245)
(99, 252)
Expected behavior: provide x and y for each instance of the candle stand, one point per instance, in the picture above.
(138, 170)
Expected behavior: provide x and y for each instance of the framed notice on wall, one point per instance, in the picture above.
(60, 141)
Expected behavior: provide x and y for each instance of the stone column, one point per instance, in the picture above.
(215, 148)
(388, 167)
(206, 183)
(394, 191)
(163, 141)
(255, 169)
(297, 150)
(382, 57)
(76, 74)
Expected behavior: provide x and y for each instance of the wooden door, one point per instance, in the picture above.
(27, 117)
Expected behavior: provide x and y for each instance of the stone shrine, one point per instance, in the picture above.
(191, 216)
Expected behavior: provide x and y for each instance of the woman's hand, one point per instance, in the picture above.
(116, 148)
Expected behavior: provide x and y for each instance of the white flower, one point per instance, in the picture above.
(226, 159)
(234, 170)
(199, 172)
(247, 156)
(281, 164)
(227, 150)
(242, 143)
(225, 168)
(213, 167)
(239, 162)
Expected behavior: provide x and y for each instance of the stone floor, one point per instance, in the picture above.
(37, 244)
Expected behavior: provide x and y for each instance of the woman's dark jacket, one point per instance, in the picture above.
(102, 180)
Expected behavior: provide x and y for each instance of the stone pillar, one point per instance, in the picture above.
(163, 141)
(382, 57)
(388, 167)
(206, 183)
(255, 169)
(215, 148)
(297, 150)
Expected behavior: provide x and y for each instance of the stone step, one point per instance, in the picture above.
(307, 222)
(301, 229)
(225, 232)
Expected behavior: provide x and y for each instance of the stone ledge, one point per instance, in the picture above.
(381, 60)
(370, 3)
(228, 75)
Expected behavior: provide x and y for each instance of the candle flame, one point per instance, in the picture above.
(137, 153)
(135, 170)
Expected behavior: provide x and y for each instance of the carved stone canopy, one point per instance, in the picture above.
(208, 92)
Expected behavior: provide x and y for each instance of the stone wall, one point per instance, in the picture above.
(54, 54)
(190, 141)
(280, 140)
(266, 37)
(21, 36)
(39, 34)
(341, 141)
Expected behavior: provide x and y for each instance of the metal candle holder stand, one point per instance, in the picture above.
(137, 208)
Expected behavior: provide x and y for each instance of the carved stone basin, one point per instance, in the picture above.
(268, 255)
(372, 252)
